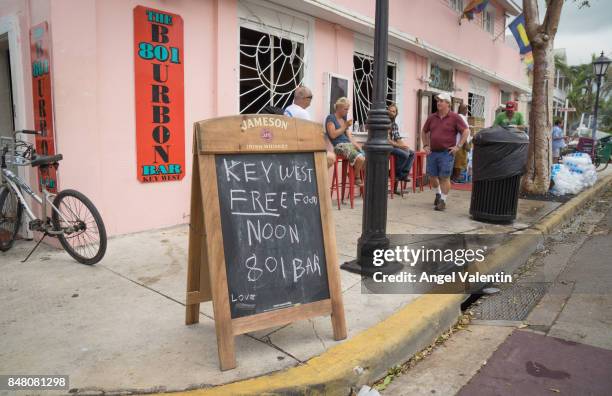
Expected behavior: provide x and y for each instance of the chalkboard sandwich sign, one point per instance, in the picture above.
(262, 244)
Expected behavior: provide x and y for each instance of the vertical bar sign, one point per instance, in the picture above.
(159, 80)
(43, 105)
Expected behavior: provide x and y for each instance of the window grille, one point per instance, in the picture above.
(476, 104)
(271, 68)
(457, 5)
(363, 86)
(441, 78)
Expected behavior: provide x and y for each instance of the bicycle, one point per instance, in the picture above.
(74, 219)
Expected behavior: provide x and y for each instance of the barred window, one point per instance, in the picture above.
(456, 5)
(476, 104)
(441, 78)
(271, 68)
(363, 86)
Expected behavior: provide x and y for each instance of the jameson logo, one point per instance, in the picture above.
(159, 95)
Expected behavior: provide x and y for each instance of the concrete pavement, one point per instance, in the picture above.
(118, 326)
(564, 344)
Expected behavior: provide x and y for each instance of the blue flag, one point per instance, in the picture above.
(517, 27)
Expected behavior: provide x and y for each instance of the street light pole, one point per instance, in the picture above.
(377, 149)
(600, 67)
(594, 133)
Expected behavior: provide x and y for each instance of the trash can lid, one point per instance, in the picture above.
(499, 134)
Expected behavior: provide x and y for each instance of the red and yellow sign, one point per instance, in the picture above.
(43, 104)
(160, 111)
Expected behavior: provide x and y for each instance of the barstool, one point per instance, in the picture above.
(346, 170)
(418, 170)
(391, 174)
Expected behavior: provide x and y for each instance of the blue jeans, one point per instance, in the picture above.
(440, 163)
(403, 162)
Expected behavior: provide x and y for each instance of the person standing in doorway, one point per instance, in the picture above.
(439, 137)
(302, 98)
(461, 157)
(402, 153)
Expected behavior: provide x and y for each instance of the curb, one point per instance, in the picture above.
(367, 356)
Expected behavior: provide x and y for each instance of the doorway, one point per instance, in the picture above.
(7, 108)
(427, 105)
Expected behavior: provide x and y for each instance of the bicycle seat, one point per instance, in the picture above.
(42, 160)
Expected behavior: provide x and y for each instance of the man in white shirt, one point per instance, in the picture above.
(302, 98)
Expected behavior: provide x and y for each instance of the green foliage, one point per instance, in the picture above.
(582, 91)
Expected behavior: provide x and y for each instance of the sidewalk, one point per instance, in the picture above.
(119, 325)
(559, 341)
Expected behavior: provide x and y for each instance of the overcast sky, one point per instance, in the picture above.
(584, 31)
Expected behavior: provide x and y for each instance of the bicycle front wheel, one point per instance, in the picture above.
(10, 218)
(84, 235)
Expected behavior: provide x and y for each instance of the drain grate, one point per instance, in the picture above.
(513, 303)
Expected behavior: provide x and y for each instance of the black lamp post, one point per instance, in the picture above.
(600, 67)
(377, 149)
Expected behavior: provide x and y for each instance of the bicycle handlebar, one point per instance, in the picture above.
(27, 132)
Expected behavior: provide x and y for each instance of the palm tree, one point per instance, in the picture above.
(581, 94)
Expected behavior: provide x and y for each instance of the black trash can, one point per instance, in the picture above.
(498, 162)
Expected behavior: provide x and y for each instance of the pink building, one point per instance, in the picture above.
(224, 57)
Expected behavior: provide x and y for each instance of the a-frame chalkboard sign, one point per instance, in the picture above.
(262, 243)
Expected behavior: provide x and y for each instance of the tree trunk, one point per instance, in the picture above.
(537, 178)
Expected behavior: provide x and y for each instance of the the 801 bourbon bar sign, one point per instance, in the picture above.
(40, 48)
(160, 115)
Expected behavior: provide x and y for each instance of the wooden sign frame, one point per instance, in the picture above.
(206, 275)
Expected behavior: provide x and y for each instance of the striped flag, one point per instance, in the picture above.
(528, 59)
(474, 7)
(517, 27)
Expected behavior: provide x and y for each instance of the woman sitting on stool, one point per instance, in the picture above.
(337, 128)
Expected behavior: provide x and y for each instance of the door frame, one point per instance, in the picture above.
(9, 25)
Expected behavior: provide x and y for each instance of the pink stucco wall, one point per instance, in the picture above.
(469, 41)
(93, 85)
(93, 76)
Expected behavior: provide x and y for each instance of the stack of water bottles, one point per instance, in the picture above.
(576, 173)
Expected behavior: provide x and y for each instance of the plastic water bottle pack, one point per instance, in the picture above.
(576, 173)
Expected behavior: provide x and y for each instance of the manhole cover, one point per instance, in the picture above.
(513, 303)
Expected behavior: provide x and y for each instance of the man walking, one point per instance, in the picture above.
(302, 98)
(439, 137)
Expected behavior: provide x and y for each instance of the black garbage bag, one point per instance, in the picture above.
(499, 153)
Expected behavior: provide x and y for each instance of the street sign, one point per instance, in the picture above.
(568, 109)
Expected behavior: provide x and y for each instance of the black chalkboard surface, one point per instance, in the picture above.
(272, 235)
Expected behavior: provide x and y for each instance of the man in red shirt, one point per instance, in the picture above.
(439, 137)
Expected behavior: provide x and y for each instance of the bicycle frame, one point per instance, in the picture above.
(18, 185)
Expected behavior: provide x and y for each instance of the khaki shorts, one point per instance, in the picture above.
(348, 151)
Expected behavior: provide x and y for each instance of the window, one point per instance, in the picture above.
(271, 67)
(476, 104)
(363, 85)
(456, 5)
(505, 96)
(488, 20)
(441, 77)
